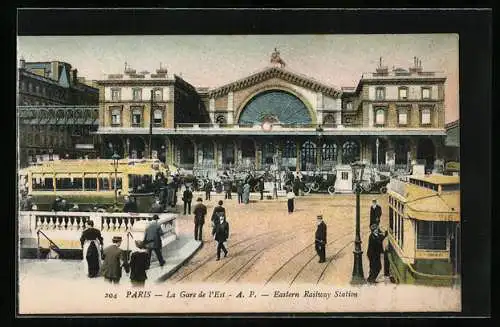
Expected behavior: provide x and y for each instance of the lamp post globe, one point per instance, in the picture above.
(357, 270)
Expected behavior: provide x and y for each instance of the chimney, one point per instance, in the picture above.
(381, 70)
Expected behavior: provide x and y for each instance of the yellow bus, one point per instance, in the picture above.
(424, 230)
(84, 180)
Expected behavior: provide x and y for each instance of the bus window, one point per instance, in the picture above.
(90, 183)
(134, 181)
(104, 184)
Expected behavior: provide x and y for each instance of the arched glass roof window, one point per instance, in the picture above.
(275, 106)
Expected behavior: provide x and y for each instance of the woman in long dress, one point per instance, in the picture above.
(92, 243)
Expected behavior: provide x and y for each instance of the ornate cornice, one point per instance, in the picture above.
(275, 72)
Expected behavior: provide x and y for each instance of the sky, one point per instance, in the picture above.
(215, 60)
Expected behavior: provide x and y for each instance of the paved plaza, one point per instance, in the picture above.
(268, 245)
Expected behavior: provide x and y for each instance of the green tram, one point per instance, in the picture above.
(424, 230)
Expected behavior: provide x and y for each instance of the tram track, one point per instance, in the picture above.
(253, 239)
(313, 256)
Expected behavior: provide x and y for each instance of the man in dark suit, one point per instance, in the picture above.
(261, 188)
(113, 258)
(375, 249)
(208, 189)
(239, 190)
(200, 211)
(187, 198)
(320, 239)
(152, 240)
(56, 205)
(221, 235)
(375, 213)
(218, 211)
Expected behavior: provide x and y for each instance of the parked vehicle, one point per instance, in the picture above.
(320, 183)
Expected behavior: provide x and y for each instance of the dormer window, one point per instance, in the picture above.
(403, 93)
(380, 93)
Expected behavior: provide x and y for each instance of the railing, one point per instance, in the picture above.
(52, 244)
(226, 126)
(77, 221)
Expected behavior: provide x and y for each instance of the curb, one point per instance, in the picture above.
(169, 273)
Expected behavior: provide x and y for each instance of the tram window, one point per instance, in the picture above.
(104, 183)
(118, 183)
(90, 183)
(431, 235)
(42, 184)
(450, 187)
(134, 180)
(63, 184)
(77, 183)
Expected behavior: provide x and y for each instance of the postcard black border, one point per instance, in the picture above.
(474, 29)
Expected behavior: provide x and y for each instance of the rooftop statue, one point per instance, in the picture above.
(276, 59)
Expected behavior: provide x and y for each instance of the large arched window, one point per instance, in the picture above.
(275, 105)
(350, 152)
(186, 152)
(329, 152)
(308, 156)
(208, 151)
(290, 154)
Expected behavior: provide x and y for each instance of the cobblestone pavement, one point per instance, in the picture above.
(268, 245)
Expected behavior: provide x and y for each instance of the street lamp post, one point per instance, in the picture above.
(115, 158)
(128, 147)
(377, 144)
(357, 270)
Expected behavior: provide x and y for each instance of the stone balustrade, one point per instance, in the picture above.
(64, 228)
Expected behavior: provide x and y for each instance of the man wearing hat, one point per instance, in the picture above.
(152, 240)
(112, 265)
(320, 239)
(375, 213)
(375, 249)
(200, 211)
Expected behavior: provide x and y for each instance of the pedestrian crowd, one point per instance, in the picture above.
(110, 261)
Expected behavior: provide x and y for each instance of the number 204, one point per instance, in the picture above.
(110, 295)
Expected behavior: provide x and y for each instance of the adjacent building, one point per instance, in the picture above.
(57, 112)
(276, 117)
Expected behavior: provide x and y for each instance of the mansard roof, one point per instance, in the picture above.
(275, 72)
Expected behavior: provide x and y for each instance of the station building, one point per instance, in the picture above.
(276, 117)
